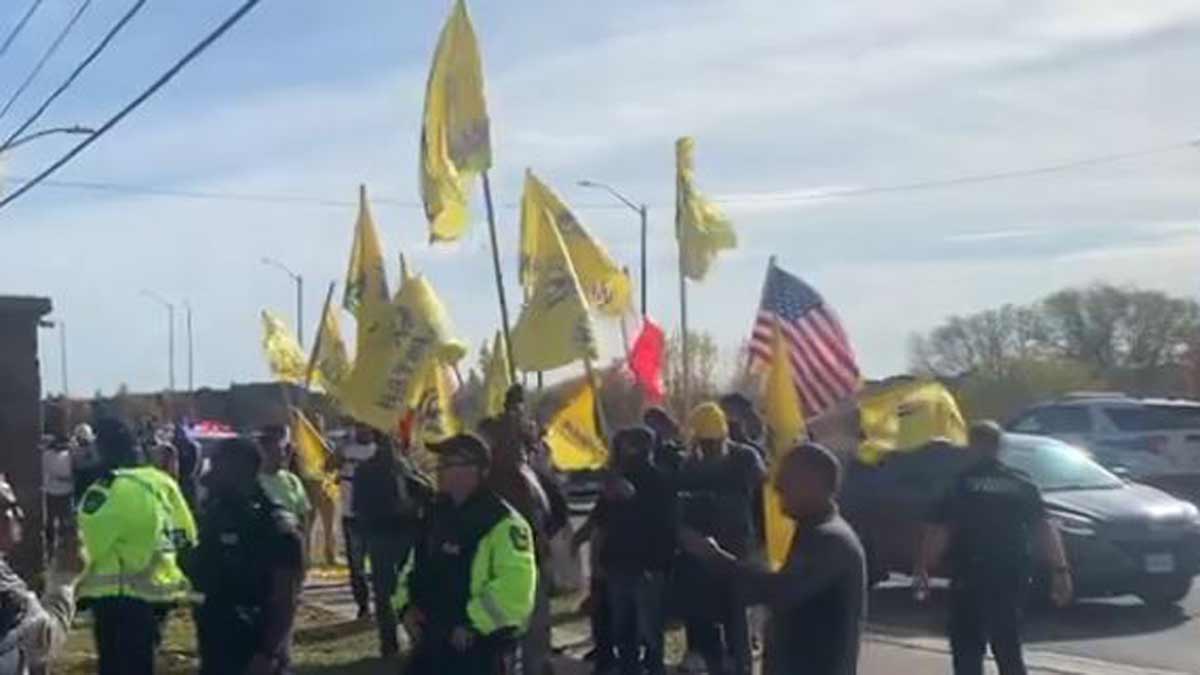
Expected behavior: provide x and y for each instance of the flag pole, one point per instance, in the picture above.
(491, 217)
(683, 319)
(312, 359)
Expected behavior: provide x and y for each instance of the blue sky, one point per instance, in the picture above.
(787, 100)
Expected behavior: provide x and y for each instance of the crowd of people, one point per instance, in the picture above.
(143, 522)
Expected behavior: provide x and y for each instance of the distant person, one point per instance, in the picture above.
(717, 487)
(132, 530)
(58, 486)
(33, 630)
(249, 566)
(188, 452)
(470, 589)
(85, 458)
(347, 459)
(280, 484)
(390, 497)
(669, 449)
(817, 600)
(638, 529)
(165, 458)
(992, 523)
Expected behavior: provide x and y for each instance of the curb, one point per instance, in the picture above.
(1036, 659)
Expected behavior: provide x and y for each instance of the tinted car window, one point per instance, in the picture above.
(1052, 465)
(1176, 416)
(1133, 418)
(1061, 419)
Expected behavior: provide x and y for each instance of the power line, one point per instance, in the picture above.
(749, 199)
(62, 35)
(163, 79)
(100, 47)
(19, 27)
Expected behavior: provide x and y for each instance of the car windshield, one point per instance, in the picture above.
(1053, 465)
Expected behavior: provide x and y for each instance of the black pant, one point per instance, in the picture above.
(636, 606)
(987, 612)
(126, 631)
(388, 552)
(602, 625)
(60, 513)
(487, 656)
(356, 553)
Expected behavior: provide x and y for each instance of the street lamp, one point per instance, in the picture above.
(640, 209)
(187, 305)
(170, 335)
(299, 295)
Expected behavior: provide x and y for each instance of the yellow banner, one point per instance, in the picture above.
(496, 379)
(313, 453)
(329, 364)
(366, 294)
(606, 286)
(574, 436)
(284, 356)
(455, 134)
(702, 229)
(907, 415)
(785, 419)
(436, 421)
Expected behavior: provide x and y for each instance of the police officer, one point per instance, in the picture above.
(248, 566)
(992, 522)
(132, 530)
(469, 590)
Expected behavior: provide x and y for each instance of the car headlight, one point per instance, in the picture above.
(1073, 525)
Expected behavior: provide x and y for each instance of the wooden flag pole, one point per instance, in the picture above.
(491, 216)
(683, 321)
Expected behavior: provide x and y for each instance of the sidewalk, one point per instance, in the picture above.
(885, 652)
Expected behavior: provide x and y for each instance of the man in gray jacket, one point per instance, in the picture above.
(818, 599)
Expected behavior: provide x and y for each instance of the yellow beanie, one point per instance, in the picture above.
(707, 423)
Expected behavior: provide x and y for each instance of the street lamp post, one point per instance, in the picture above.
(299, 295)
(170, 306)
(187, 305)
(639, 209)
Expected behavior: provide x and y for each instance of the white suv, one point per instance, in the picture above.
(1145, 437)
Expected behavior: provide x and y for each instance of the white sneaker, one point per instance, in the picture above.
(693, 663)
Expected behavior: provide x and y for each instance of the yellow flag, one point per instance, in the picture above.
(435, 418)
(702, 229)
(385, 380)
(312, 453)
(329, 364)
(366, 294)
(554, 328)
(785, 419)
(606, 286)
(455, 135)
(496, 378)
(284, 356)
(573, 434)
(907, 415)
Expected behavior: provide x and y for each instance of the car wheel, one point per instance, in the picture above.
(1166, 593)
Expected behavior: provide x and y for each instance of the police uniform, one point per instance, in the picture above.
(992, 514)
(472, 566)
(133, 522)
(243, 542)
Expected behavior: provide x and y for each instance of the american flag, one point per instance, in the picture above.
(823, 364)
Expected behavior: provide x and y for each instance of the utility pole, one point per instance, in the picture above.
(170, 335)
(299, 281)
(191, 349)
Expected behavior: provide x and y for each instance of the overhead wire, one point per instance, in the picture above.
(745, 199)
(87, 61)
(199, 48)
(12, 35)
(50, 51)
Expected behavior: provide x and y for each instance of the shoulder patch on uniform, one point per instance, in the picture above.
(519, 536)
(92, 501)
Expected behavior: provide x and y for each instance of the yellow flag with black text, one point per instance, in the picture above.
(329, 364)
(907, 415)
(435, 419)
(574, 436)
(385, 381)
(366, 293)
(701, 228)
(785, 420)
(455, 133)
(554, 328)
(285, 358)
(607, 287)
(496, 378)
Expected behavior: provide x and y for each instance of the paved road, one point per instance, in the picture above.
(1120, 630)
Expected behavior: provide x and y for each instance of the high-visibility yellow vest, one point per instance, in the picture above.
(131, 529)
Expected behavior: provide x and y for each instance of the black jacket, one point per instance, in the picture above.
(639, 533)
(379, 503)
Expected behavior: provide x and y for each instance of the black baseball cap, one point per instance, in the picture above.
(463, 449)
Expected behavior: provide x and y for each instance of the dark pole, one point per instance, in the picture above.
(491, 216)
(645, 277)
(191, 350)
(62, 352)
(300, 310)
(171, 347)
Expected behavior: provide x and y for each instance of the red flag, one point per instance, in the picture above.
(646, 360)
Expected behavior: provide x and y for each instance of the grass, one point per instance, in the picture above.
(323, 643)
